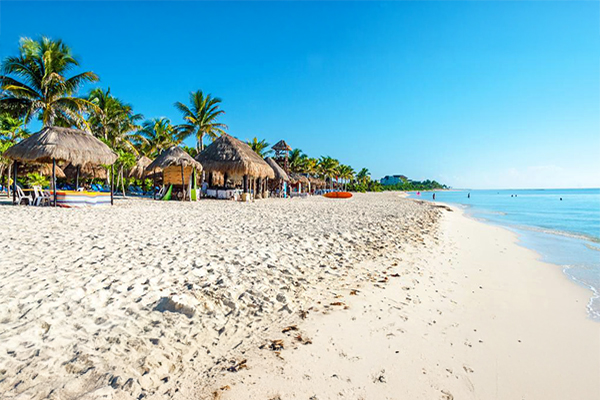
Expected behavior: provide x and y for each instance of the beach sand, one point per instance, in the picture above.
(380, 297)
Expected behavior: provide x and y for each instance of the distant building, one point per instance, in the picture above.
(393, 180)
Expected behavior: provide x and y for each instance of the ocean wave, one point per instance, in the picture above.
(572, 235)
(593, 306)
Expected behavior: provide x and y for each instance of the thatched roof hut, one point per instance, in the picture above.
(316, 182)
(298, 178)
(177, 167)
(67, 144)
(231, 156)
(173, 156)
(279, 172)
(42, 169)
(87, 171)
(139, 170)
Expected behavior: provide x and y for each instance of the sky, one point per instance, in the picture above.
(471, 94)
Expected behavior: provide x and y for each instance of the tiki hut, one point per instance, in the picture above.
(87, 171)
(299, 180)
(176, 166)
(53, 144)
(235, 159)
(42, 169)
(139, 170)
(279, 182)
(280, 174)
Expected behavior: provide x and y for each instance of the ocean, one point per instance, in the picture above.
(564, 232)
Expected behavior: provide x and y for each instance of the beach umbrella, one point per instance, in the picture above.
(53, 144)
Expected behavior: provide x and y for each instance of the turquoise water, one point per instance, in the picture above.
(564, 232)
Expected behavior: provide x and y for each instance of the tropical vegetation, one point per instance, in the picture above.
(42, 83)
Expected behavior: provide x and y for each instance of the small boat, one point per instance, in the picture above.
(338, 195)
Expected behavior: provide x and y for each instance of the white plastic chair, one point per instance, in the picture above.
(21, 196)
(40, 197)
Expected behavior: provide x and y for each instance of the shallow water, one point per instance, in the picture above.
(565, 232)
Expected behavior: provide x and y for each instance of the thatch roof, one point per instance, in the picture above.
(173, 156)
(281, 146)
(72, 145)
(229, 155)
(87, 171)
(316, 181)
(279, 172)
(139, 170)
(295, 178)
(42, 169)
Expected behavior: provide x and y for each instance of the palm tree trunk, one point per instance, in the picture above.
(200, 145)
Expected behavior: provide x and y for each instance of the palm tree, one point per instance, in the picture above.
(34, 84)
(192, 151)
(346, 173)
(328, 168)
(12, 130)
(363, 176)
(260, 147)
(113, 121)
(296, 160)
(157, 135)
(201, 118)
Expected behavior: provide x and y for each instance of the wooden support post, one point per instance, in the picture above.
(112, 185)
(245, 184)
(77, 179)
(154, 183)
(14, 183)
(182, 184)
(54, 179)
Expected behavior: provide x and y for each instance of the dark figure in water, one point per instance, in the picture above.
(469, 196)
(512, 195)
(434, 196)
(561, 199)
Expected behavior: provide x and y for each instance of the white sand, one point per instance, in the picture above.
(158, 300)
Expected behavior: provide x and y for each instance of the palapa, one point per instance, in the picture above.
(87, 171)
(174, 155)
(298, 178)
(55, 143)
(279, 172)
(42, 169)
(231, 156)
(139, 170)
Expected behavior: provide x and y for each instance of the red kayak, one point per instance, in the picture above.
(338, 195)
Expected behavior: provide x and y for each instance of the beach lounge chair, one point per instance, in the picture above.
(40, 199)
(22, 198)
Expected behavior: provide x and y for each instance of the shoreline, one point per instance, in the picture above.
(522, 231)
(525, 350)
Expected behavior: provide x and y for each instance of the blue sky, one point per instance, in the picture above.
(472, 94)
